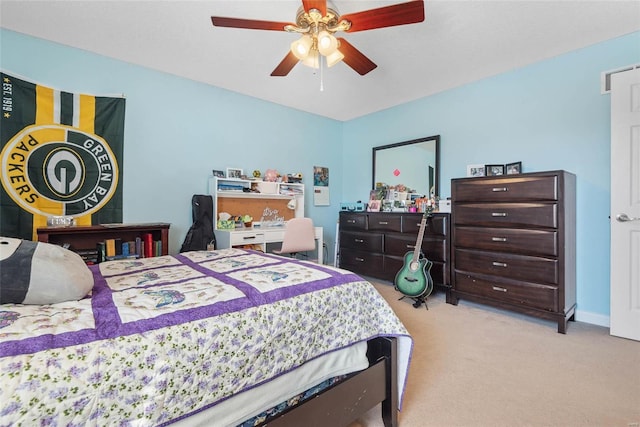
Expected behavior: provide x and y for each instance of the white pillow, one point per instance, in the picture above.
(41, 273)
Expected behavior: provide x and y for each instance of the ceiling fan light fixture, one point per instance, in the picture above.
(334, 58)
(327, 43)
(312, 60)
(302, 47)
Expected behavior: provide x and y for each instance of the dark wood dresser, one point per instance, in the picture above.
(374, 243)
(514, 243)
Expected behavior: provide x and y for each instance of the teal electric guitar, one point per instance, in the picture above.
(414, 278)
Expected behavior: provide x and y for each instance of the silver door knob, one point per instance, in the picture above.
(623, 217)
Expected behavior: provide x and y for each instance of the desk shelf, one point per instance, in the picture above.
(241, 201)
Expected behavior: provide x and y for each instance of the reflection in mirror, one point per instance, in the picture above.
(415, 163)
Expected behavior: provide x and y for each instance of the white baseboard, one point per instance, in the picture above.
(593, 318)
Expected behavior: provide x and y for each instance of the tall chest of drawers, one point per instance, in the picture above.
(374, 243)
(514, 243)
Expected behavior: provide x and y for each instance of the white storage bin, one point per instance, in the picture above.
(266, 187)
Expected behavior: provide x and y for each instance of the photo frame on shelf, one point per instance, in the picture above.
(218, 174)
(513, 168)
(234, 173)
(493, 170)
(475, 170)
(374, 205)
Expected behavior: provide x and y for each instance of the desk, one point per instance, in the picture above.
(260, 236)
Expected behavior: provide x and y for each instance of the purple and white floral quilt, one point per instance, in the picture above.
(161, 338)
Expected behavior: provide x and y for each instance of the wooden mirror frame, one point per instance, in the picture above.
(409, 147)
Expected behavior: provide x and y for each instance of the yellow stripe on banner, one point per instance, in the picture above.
(44, 105)
(87, 113)
(87, 119)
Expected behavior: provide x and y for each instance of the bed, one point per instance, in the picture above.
(226, 337)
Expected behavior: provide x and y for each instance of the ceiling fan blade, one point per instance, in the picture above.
(354, 58)
(388, 16)
(250, 24)
(285, 66)
(321, 5)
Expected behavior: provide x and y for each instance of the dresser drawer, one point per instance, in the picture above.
(507, 214)
(532, 242)
(518, 267)
(435, 249)
(502, 189)
(527, 294)
(385, 222)
(436, 224)
(361, 262)
(362, 241)
(353, 221)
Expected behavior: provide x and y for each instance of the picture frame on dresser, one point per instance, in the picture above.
(475, 170)
(513, 168)
(494, 170)
(374, 205)
(218, 173)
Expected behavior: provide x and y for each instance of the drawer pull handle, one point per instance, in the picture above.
(249, 237)
(351, 221)
(383, 223)
(498, 239)
(360, 259)
(498, 214)
(358, 240)
(499, 264)
(499, 189)
(411, 246)
(498, 288)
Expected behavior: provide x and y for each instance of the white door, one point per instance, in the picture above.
(625, 205)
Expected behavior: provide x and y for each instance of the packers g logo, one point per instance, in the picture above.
(56, 169)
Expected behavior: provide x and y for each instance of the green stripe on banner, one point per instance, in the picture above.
(61, 155)
(66, 108)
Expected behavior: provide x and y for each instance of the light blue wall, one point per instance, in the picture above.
(177, 131)
(550, 115)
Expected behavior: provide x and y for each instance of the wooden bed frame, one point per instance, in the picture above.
(347, 400)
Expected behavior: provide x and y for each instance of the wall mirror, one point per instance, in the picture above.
(415, 163)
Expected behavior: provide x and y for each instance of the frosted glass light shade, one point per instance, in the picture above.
(312, 60)
(301, 47)
(334, 58)
(327, 43)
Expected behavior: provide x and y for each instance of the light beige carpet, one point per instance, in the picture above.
(474, 365)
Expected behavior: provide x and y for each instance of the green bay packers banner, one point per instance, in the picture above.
(61, 155)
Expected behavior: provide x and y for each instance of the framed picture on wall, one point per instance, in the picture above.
(234, 173)
(494, 170)
(514, 168)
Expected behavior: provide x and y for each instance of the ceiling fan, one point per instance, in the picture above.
(317, 23)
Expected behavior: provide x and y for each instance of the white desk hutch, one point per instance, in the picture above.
(269, 203)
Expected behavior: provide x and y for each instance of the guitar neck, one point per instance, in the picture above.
(416, 250)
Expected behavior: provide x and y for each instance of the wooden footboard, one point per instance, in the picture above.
(346, 401)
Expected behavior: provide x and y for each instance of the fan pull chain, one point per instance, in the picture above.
(321, 73)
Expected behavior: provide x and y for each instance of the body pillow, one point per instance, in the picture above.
(41, 273)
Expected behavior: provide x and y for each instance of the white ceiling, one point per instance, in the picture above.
(459, 42)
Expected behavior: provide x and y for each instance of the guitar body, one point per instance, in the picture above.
(414, 278)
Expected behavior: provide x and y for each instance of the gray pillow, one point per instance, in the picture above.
(41, 273)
